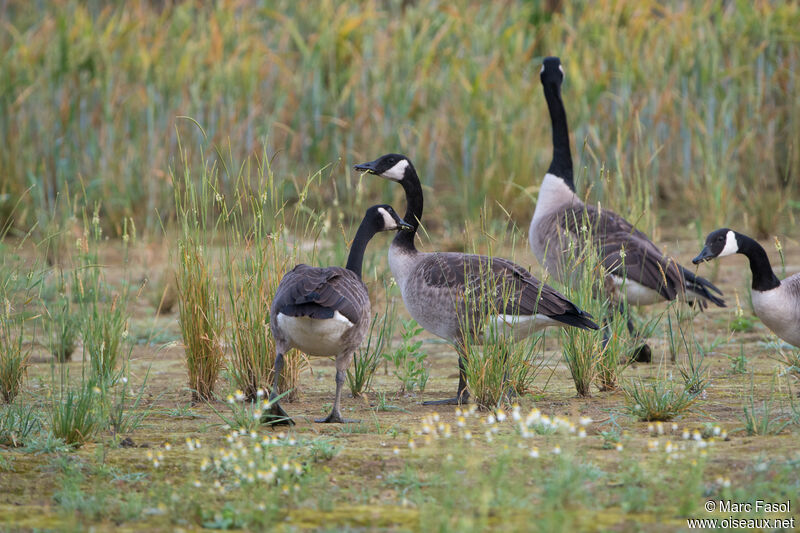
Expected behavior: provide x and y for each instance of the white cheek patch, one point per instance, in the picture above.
(542, 69)
(397, 172)
(731, 246)
(561, 69)
(388, 221)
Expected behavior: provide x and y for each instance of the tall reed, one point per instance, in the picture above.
(259, 228)
(696, 131)
(201, 315)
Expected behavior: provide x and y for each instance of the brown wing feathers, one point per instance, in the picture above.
(643, 262)
(513, 289)
(319, 292)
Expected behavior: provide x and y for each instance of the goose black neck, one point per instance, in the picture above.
(356, 258)
(764, 278)
(414, 201)
(561, 165)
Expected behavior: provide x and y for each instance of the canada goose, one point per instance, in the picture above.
(324, 311)
(635, 265)
(435, 285)
(776, 302)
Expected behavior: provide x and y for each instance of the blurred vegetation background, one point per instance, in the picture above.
(689, 109)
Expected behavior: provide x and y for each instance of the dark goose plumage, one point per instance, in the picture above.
(648, 275)
(446, 291)
(325, 311)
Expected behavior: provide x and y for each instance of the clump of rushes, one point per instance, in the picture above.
(72, 415)
(17, 423)
(657, 400)
(255, 218)
(594, 356)
(763, 420)
(103, 333)
(497, 367)
(368, 357)
(198, 302)
(13, 357)
(199, 307)
(694, 371)
(252, 282)
(64, 327)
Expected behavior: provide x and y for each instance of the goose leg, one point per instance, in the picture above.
(276, 416)
(462, 395)
(336, 415)
(640, 354)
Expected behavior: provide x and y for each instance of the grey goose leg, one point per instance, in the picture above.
(336, 415)
(462, 394)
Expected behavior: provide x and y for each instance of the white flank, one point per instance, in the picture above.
(314, 336)
(731, 246)
(521, 327)
(636, 293)
(779, 312)
(397, 172)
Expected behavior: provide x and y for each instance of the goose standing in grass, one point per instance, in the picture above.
(776, 302)
(638, 272)
(324, 311)
(446, 291)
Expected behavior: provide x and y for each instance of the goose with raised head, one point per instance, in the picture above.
(325, 311)
(776, 302)
(638, 272)
(447, 293)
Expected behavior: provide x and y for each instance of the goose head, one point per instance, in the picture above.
(552, 72)
(390, 166)
(719, 243)
(383, 218)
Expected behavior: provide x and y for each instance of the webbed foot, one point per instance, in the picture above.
(642, 354)
(336, 418)
(276, 416)
(458, 400)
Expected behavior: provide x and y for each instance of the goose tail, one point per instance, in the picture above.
(702, 288)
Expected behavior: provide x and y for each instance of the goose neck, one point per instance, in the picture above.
(764, 277)
(561, 165)
(355, 260)
(414, 200)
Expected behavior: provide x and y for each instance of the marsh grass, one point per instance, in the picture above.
(18, 423)
(593, 356)
(409, 359)
(14, 356)
(693, 370)
(671, 125)
(199, 320)
(368, 356)
(104, 330)
(497, 366)
(657, 399)
(64, 328)
(766, 419)
(200, 312)
(73, 412)
(790, 359)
